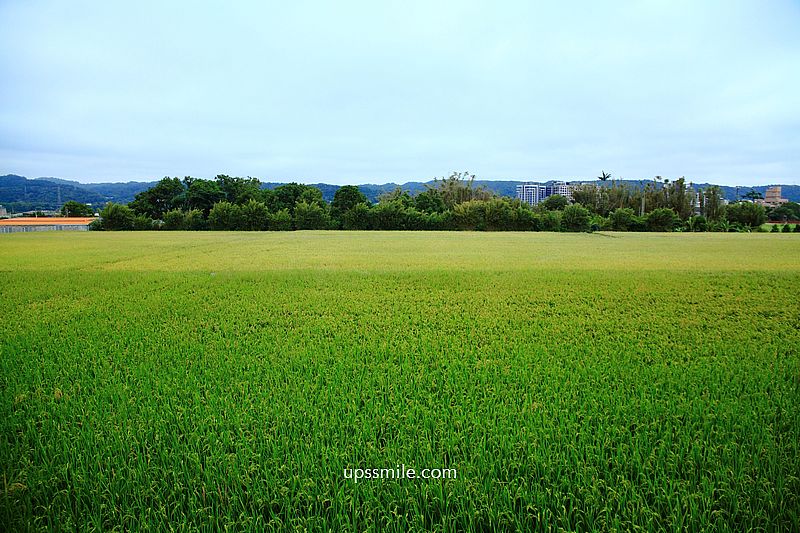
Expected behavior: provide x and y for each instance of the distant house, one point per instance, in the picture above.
(22, 224)
(3, 211)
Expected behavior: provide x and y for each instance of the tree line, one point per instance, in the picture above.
(451, 203)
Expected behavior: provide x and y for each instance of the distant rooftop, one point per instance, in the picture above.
(47, 221)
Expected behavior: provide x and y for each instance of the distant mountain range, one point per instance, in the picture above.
(22, 194)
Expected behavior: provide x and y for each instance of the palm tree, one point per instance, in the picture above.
(753, 195)
(604, 176)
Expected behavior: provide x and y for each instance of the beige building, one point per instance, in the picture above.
(773, 197)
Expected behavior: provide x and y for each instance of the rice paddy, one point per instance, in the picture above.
(207, 381)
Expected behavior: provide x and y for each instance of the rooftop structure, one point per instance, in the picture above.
(21, 224)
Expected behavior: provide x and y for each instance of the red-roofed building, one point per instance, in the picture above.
(21, 224)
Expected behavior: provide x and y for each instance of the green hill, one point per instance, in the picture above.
(22, 194)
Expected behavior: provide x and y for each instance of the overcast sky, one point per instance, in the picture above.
(375, 91)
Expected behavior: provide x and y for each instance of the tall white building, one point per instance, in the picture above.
(533, 193)
(560, 187)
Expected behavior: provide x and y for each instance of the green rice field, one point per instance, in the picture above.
(580, 382)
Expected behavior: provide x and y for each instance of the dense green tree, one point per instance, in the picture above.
(787, 211)
(575, 217)
(494, 214)
(397, 196)
(415, 220)
(620, 195)
(202, 194)
(388, 215)
(747, 214)
(178, 219)
(225, 216)
(117, 217)
(697, 223)
(284, 197)
(662, 219)
(345, 199)
(775, 229)
(310, 215)
(287, 196)
(430, 201)
(254, 216)
(452, 203)
(622, 219)
(660, 194)
(525, 219)
(312, 195)
(280, 221)
(498, 214)
(174, 219)
(143, 223)
(268, 197)
(555, 202)
(605, 198)
(194, 221)
(551, 221)
(440, 221)
(167, 194)
(76, 209)
(590, 196)
(470, 215)
(459, 187)
(599, 223)
(357, 218)
(239, 190)
(786, 228)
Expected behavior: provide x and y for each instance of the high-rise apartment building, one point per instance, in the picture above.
(533, 193)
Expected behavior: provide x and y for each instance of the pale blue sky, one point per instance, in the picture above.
(355, 92)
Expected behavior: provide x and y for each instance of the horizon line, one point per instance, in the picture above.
(310, 182)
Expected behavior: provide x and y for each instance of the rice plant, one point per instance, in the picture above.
(153, 381)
